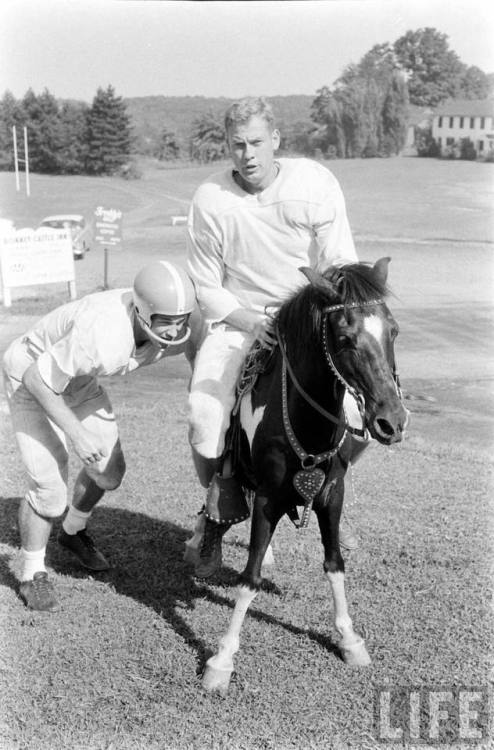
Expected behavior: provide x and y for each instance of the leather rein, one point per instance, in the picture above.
(286, 367)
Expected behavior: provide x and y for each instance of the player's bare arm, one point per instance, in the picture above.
(54, 406)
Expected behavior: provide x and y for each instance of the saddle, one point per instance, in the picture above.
(230, 493)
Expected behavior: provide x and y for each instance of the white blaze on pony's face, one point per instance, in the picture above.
(374, 326)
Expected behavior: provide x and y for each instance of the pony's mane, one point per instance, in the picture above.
(299, 318)
(357, 282)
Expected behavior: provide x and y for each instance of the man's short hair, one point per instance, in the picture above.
(240, 112)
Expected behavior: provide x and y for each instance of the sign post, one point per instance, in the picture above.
(108, 233)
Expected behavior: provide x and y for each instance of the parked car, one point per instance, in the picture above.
(79, 229)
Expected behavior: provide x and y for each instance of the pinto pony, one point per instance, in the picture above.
(335, 337)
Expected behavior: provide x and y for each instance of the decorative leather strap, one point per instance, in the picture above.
(336, 420)
(307, 460)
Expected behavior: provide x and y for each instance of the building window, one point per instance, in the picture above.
(472, 122)
(481, 146)
(439, 142)
(450, 141)
(482, 122)
(451, 122)
(440, 122)
(461, 121)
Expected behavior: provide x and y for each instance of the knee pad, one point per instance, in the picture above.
(208, 422)
(48, 500)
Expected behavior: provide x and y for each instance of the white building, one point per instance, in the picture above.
(465, 118)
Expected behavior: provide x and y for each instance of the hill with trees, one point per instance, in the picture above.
(364, 113)
(151, 115)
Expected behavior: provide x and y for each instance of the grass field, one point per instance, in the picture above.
(117, 668)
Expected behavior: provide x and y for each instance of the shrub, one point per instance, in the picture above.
(467, 150)
(451, 152)
(130, 171)
(425, 143)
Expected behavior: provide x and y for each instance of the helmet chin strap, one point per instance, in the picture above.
(158, 339)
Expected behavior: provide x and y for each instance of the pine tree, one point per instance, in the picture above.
(9, 116)
(109, 133)
(73, 152)
(40, 114)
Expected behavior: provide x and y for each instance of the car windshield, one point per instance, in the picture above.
(62, 224)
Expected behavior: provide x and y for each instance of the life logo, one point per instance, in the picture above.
(439, 715)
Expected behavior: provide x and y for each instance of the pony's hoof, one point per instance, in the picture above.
(215, 679)
(356, 655)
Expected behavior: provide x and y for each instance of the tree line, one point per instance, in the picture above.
(67, 137)
(364, 114)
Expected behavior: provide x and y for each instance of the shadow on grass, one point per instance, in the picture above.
(147, 565)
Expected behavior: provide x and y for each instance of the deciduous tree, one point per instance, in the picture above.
(168, 146)
(434, 70)
(474, 84)
(365, 113)
(208, 139)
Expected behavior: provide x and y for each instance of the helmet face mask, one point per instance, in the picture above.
(167, 330)
(163, 290)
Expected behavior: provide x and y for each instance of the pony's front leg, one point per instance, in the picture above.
(219, 667)
(352, 645)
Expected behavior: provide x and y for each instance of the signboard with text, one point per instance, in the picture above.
(108, 227)
(29, 257)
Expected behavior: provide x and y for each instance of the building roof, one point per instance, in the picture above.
(466, 108)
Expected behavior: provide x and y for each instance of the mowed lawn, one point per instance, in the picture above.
(117, 668)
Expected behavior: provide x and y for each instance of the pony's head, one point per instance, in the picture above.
(344, 309)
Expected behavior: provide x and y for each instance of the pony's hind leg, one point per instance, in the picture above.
(264, 522)
(352, 645)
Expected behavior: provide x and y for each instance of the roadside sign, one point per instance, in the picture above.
(108, 233)
(29, 257)
(108, 227)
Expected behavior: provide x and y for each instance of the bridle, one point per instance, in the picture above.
(309, 479)
(357, 396)
(286, 366)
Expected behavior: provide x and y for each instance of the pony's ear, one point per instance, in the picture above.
(313, 276)
(381, 270)
(317, 279)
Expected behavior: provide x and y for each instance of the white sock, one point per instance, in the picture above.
(75, 520)
(31, 563)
